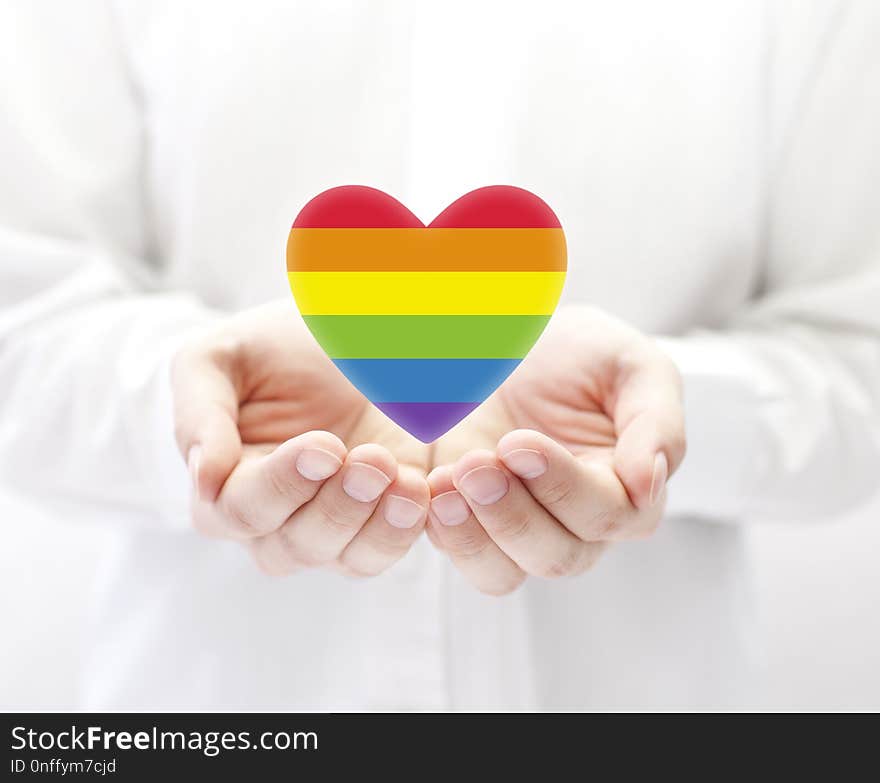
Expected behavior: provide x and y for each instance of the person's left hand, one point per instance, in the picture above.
(608, 401)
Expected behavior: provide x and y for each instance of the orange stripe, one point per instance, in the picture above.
(426, 249)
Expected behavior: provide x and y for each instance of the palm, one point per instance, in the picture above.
(289, 386)
(561, 389)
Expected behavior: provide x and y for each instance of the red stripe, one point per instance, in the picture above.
(496, 206)
(355, 206)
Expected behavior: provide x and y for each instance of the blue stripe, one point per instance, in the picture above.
(426, 380)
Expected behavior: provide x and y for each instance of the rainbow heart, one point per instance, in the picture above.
(426, 321)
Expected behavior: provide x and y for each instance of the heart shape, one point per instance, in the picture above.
(426, 321)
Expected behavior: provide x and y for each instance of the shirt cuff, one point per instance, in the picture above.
(728, 445)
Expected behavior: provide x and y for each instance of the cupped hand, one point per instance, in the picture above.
(287, 456)
(571, 453)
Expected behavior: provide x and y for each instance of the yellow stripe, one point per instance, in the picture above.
(426, 293)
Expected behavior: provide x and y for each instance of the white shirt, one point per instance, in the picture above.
(715, 167)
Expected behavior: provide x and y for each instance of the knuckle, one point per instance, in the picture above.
(225, 348)
(239, 516)
(335, 520)
(385, 545)
(298, 555)
(558, 493)
(565, 564)
(606, 522)
(468, 545)
(284, 484)
(511, 526)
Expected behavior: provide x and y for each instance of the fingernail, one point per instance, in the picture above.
(364, 482)
(526, 463)
(402, 512)
(485, 485)
(658, 477)
(317, 464)
(193, 461)
(450, 508)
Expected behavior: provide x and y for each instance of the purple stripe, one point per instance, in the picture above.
(426, 421)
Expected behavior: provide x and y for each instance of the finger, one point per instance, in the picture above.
(649, 419)
(206, 417)
(523, 529)
(470, 548)
(263, 491)
(317, 533)
(431, 533)
(393, 527)
(587, 497)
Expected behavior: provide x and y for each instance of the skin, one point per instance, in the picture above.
(584, 435)
(571, 454)
(253, 397)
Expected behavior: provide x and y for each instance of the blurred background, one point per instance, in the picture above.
(818, 587)
(819, 591)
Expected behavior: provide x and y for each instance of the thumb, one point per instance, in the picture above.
(206, 418)
(649, 419)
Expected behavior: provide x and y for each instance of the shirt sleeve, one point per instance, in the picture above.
(783, 406)
(85, 411)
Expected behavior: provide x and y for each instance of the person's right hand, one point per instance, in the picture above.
(287, 456)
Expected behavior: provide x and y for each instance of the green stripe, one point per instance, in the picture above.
(426, 336)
